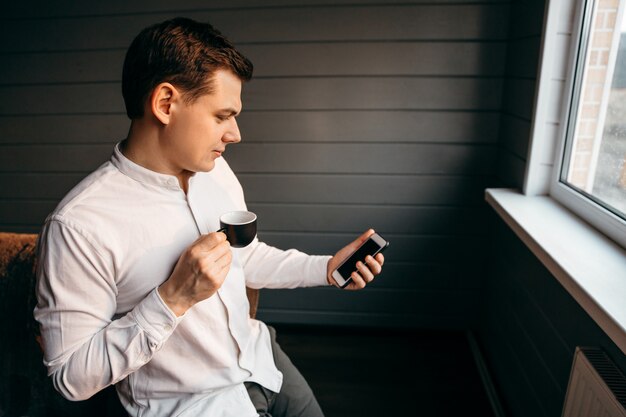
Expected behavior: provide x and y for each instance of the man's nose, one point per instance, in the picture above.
(232, 135)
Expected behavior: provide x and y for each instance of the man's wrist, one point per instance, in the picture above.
(177, 304)
(329, 279)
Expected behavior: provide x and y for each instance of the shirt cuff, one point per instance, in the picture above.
(319, 270)
(155, 318)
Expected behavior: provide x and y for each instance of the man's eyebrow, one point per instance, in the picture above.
(230, 111)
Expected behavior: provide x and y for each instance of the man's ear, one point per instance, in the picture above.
(163, 97)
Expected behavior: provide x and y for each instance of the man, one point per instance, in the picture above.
(136, 288)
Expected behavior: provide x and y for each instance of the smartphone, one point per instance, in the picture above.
(375, 244)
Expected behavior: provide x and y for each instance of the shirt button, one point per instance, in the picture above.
(167, 327)
(153, 345)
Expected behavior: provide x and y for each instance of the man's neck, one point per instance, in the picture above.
(143, 147)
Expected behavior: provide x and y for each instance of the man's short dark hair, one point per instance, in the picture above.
(180, 51)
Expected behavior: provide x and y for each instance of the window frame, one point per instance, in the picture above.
(580, 203)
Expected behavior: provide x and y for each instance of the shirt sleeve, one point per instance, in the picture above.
(266, 266)
(269, 267)
(85, 349)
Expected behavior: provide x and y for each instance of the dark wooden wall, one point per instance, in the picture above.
(519, 90)
(530, 329)
(361, 114)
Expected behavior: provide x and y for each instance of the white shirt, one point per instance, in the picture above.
(102, 254)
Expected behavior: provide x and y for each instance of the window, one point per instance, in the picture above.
(590, 171)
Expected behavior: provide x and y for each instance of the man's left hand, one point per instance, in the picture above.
(365, 272)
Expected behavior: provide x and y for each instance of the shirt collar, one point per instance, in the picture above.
(141, 174)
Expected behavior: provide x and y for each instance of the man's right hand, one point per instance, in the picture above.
(198, 274)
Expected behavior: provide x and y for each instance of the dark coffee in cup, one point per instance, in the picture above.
(239, 227)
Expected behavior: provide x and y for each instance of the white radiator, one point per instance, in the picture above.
(596, 386)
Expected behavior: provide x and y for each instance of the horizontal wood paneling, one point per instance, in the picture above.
(444, 249)
(528, 348)
(511, 168)
(26, 185)
(364, 319)
(534, 325)
(406, 302)
(47, 9)
(370, 126)
(279, 158)
(379, 58)
(50, 158)
(301, 24)
(318, 218)
(526, 18)
(279, 94)
(463, 250)
(295, 188)
(310, 59)
(515, 135)
(62, 67)
(275, 126)
(518, 392)
(26, 212)
(63, 129)
(79, 99)
(364, 159)
(357, 218)
(374, 93)
(429, 276)
(345, 189)
(409, 308)
(524, 62)
(518, 98)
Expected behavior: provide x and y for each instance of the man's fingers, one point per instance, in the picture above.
(199, 254)
(208, 261)
(212, 246)
(367, 268)
(364, 272)
(373, 265)
(213, 265)
(209, 241)
(224, 261)
(357, 281)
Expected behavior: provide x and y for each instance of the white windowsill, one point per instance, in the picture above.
(591, 267)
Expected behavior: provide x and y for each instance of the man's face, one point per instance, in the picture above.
(199, 132)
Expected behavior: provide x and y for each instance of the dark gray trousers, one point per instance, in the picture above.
(295, 398)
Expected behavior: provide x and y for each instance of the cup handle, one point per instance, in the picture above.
(222, 229)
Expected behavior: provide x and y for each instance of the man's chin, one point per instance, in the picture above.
(207, 166)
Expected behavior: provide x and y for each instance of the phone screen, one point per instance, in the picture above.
(368, 248)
